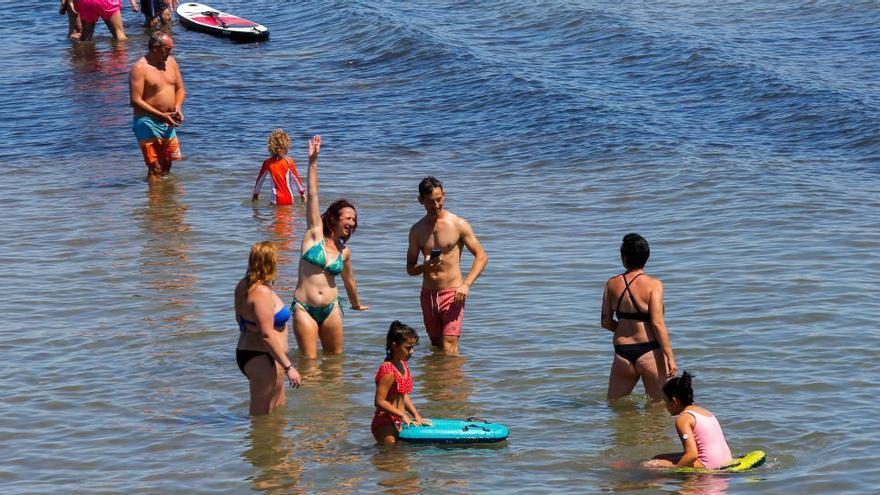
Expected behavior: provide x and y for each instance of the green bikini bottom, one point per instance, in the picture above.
(318, 313)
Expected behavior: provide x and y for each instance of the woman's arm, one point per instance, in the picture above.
(383, 386)
(350, 282)
(608, 322)
(314, 226)
(655, 308)
(264, 309)
(684, 424)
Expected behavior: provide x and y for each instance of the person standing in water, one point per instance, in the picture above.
(262, 318)
(641, 341)
(316, 305)
(157, 93)
(394, 383)
(439, 237)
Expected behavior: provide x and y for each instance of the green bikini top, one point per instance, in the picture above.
(317, 256)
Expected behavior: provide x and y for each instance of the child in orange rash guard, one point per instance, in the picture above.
(282, 170)
(393, 385)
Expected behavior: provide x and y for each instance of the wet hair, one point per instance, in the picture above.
(398, 333)
(680, 388)
(157, 40)
(635, 250)
(278, 141)
(428, 184)
(262, 264)
(330, 217)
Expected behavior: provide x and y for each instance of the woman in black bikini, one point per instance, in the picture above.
(641, 342)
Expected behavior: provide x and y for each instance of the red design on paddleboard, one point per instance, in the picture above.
(228, 20)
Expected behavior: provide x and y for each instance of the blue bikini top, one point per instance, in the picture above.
(317, 256)
(281, 318)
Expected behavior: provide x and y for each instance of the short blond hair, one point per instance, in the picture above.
(262, 264)
(279, 142)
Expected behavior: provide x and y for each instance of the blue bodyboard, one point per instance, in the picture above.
(455, 431)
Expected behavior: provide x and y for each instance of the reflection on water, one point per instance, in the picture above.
(279, 224)
(166, 264)
(398, 476)
(636, 425)
(100, 84)
(443, 382)
(270, 449)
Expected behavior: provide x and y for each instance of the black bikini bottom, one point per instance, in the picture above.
(632, 352)
(242, 357)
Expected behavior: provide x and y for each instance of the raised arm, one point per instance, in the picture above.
(314, 226)
(480, 260)
(608, 321)
(350, 282)
(655, 308)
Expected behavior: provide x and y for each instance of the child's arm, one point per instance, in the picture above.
(260, 178)
(297, 180)
(383, 386)
(417, 418)
(134, 6)
(684, 424)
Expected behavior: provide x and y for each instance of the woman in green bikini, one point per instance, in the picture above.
(316, 302)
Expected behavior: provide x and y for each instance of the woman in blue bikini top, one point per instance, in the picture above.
(262, 318)
(317, 313)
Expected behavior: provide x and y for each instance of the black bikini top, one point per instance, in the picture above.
(638, 315)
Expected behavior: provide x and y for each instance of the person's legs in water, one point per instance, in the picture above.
(623, 378)
(305, 329)
(266, 385)
(384, 428)
(330, 332)
(442, 319)
(114, 24)
(650, 367)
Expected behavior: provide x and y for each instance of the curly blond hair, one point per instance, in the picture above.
(262, 264)
(279, 142)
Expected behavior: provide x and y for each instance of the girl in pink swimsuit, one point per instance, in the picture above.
(698, 429)
(393, 385)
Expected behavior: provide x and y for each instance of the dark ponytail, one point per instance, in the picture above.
(680, 388)
(398, 333)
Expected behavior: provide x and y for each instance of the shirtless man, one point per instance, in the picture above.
(439, 237)
(157, 94)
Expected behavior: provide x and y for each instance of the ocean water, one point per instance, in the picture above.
(740, 138)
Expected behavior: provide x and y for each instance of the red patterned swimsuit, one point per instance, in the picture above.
(402, 386)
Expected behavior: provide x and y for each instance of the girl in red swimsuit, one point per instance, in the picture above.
(393, 384)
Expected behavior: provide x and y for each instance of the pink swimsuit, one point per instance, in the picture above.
(712, 449)
(92, 10)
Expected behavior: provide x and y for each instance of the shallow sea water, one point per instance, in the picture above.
(740, 139)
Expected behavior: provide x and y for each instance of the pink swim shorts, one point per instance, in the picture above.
(92, 10)
(442, 316)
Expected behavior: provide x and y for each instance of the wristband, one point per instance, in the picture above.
(288, 367)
